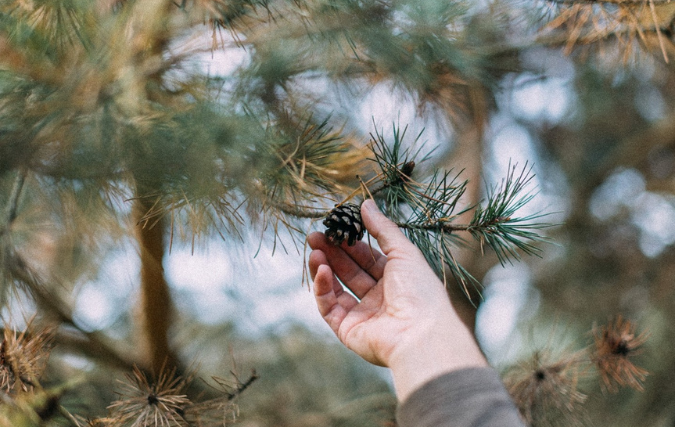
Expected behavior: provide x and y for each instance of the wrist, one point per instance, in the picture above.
(435, 347)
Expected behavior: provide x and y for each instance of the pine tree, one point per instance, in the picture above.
(112, 129)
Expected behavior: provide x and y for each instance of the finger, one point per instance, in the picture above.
(358, 280)
(387, 234)
(316, 259)
(317, 240)
(369, 259)
(332, 306)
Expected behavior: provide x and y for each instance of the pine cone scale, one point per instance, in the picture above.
(344, 223)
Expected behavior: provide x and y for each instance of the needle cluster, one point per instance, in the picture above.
(430, 209)
(615, 346)
(549, 389)
(23, 357)
(163, 402)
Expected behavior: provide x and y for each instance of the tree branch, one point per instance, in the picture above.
(15, 196)
(13, 204)
(243, 386)
(53, 304)
(298, 211)
(435, 225)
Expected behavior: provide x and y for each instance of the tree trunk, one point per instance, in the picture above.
(156, 307)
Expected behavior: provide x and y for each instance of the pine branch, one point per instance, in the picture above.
(427, 211)
(10, 216)
(51, 303)
(397, 165)
(241, 387)
(631, 22)
(438, 225)
(13, 203)
(496, 224)
(14, 197)
(298, 211)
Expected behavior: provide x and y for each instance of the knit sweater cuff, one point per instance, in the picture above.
(472, 397)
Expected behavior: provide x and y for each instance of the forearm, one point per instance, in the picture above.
(436, 346)
(442, 379)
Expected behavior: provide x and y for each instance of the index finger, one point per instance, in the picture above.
(387, 234)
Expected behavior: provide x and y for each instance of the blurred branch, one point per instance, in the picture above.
(52, 303)
(296, 210)
(93, 345)
(243, 386)
(14, 197)
(314, 213)
(13, 204)
(156, 302)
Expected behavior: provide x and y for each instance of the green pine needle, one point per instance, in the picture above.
(397, 186)
(428, 211)
(496, 224)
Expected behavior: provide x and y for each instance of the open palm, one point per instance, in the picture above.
(391, 296)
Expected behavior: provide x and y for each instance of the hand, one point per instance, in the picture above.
(401, 316)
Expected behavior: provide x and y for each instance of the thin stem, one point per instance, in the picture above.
(298, 211)
(15, 196)
(306, 212)
(13, 204)
(435, 225)
(54, 304)
(243, 386)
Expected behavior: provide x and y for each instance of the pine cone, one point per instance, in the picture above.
(344, 223)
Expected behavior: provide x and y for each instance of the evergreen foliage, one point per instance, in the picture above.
(113, 129)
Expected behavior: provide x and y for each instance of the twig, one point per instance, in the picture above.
(243, 386)
(435, 225)
(52, 303)
(13, 204)
(15, 196)
(67, 415)
(652, 10)
(298, 211)
(307, 212)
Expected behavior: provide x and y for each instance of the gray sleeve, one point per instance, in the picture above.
(473, 397)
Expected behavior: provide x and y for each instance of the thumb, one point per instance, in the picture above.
(387, 234)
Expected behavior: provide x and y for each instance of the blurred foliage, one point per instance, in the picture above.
(306, 380)
(303, 379)
(146, 123)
